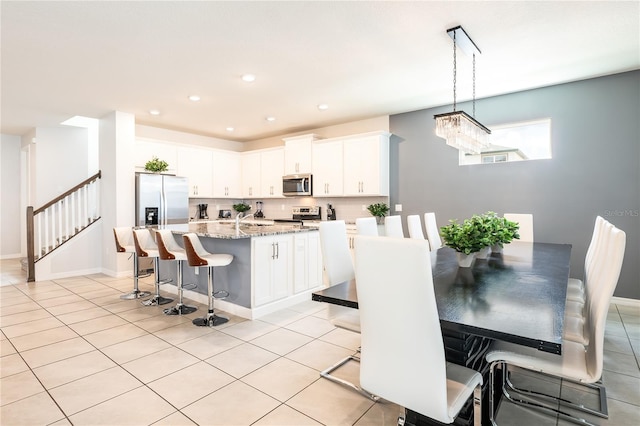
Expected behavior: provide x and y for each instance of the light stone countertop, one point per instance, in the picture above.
(226, 229)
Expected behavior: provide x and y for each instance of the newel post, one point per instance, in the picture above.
(31, 261)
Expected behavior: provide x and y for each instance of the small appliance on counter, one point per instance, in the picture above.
(331, 212)
(202, 211)
(258, 214)
(224, 214)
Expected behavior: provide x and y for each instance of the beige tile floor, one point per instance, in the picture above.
(73, 353)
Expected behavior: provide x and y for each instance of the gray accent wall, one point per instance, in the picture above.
(595, 169)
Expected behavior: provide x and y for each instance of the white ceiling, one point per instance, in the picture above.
(364, 59)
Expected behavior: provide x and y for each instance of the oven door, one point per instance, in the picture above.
(296, 185)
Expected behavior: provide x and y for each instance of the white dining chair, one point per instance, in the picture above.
(338, 265)
(577, 363)
(367, 226)
(393, 226)
(403, 357)
(433, 232)
(525, 220)
(576, 287)
(414, 225)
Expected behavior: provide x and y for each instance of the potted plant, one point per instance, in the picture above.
(156, 165)
(466, 238)
(379, 210)
(505, 231)
(241, 207)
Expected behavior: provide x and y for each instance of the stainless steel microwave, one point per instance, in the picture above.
(297, 185)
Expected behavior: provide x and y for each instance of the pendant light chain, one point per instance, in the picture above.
(454, 70)
(474, 85)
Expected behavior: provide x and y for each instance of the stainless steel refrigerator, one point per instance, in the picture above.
(161, 199)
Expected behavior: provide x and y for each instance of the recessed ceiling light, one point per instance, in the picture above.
(323, 107)
(271, 119)
(154, 112)
(194, 98)
(248, 77)
(230, 129)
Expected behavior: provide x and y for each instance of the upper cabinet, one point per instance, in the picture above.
(327, 169)
(351, 166)
(271, 171)
(227, 174)
(146, 150)
(250, 174)
(297, 154)
(196, 165)
(366, 165)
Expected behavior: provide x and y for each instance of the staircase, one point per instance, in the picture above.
(59, 220)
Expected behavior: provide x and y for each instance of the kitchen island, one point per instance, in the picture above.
(274, 266)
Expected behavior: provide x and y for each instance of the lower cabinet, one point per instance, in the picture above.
(283, 265)
(307, 265)
(272, 268)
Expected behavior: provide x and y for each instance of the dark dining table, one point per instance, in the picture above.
(516, 296)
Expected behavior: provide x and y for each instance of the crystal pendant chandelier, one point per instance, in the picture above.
(458, 128)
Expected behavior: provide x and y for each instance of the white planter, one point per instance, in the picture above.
(465, 260)
(483, 253)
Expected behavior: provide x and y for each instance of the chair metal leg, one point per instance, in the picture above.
(180, 308)
(529, 404)
(602, 393)
(136, 293)
(157, 299)
(327, 375)
(211, 320)
(477, 406)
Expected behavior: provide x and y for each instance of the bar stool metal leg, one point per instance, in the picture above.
(212, 320)
(180, 308)
(157, 299)
(136, 293)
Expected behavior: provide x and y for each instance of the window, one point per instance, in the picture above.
(521, 141)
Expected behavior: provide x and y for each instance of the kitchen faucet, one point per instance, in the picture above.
(240, 218)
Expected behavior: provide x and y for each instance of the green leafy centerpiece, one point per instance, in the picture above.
(474, 237)
(156, 165)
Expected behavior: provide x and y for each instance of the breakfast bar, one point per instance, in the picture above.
(262, 276)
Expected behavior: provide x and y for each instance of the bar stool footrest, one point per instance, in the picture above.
(220, 294)
(189, 286)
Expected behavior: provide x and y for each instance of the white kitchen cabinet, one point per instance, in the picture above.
(227, 175)
(146, 150)
(297, 154)
(271, 171)
(197, 164)
(250, 175)
(307, 264)
(272, 268)
(327, 169)
(366, 165)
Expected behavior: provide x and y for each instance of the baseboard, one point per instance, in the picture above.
(12, 256)
(625, 301)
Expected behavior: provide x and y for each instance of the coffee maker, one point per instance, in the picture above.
(331, 212)
(258, 214)
(202, 211)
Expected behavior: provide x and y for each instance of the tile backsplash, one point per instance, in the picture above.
(347, 208)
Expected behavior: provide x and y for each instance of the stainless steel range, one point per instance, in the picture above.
(302, 214)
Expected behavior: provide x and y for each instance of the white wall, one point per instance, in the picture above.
(58, 162)
(10, 211)
(163, 135)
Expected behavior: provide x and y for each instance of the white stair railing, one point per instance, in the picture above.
(60, 219)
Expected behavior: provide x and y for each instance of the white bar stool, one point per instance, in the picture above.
(170, 250)
(124, 244)
(146, 247)
(197, 256)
